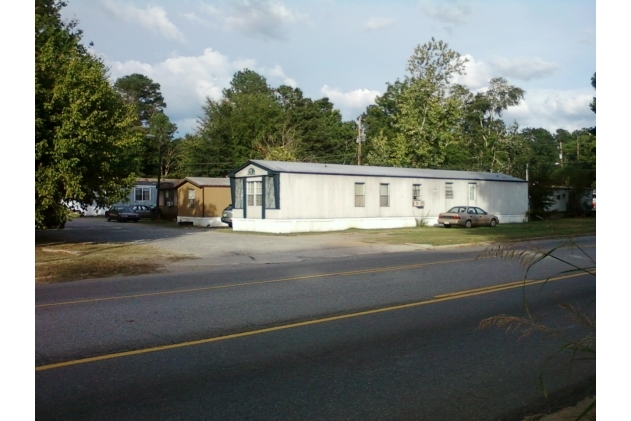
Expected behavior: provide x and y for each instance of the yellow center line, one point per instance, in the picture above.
(436, 299)
(243, 284)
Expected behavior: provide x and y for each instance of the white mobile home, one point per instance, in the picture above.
(285, 197)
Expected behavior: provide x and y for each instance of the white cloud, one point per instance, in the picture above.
(277, 72)
(524, 68)
(351, 103)
(375, 24)
(194, 18)
(264, 19)
(186, 81)
(447, 11)
(153, 18)
(477, 75)
(554, 109)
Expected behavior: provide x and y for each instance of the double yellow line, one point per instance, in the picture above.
(436, 299)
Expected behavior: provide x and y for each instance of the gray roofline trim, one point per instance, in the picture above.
(199, 186)
(248, 163)
(384, 176)
(454, 174)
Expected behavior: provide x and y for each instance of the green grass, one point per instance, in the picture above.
(503, 232)
(439, 236)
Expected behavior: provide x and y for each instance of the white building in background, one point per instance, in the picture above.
(286, 197)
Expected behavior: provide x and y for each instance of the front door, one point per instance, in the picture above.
(254, 201)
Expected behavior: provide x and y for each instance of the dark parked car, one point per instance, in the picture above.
(143, 210)
(467, 216)
(122, 214)
(226, 215)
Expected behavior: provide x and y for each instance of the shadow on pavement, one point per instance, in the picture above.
(98, 230)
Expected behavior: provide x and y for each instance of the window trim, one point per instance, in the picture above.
(254, 191)
(142, 191)
(384, 203)
(191, 200)
(449, 190)
(362, 195)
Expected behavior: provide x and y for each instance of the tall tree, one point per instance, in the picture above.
(83, 130)
(540, 154)
(425, 115)
(160, 140)
(143, 93)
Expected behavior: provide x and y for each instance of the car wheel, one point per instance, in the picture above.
(493, 223)
(468, 223)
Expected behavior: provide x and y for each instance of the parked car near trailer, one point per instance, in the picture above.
(122, 214)
(467, 216)
(226, 215)
(143, 210)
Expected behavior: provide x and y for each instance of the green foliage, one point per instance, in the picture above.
(143, 93)
(84, 140)
(159, 148)
(256, 121)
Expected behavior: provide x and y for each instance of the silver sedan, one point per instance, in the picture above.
(467, 216)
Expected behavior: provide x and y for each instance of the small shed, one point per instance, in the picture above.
(285, 197)
(200, 200)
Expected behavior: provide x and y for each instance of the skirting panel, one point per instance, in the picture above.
(202, 222)
(287, 226)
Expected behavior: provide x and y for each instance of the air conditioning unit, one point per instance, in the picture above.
(418, 203)
(169, 203)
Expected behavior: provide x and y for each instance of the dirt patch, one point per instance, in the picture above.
(61, 262)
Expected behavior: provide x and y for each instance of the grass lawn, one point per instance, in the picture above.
(435, 236)
(61, 262)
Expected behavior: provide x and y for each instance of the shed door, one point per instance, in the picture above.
(473, 194)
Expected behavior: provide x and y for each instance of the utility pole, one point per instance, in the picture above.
(159, 173)
(361, 137)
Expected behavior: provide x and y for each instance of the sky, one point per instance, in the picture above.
(348, 50)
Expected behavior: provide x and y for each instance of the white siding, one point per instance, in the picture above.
(316, 202)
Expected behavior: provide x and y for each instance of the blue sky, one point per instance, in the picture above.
(348, 50)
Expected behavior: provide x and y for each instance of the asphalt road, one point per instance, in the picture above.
(300, 346)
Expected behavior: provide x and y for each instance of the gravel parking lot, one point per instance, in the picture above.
(218, 246)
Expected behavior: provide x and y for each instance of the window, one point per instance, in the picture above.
(142, 194)
(360, 195)
(384, 195)
(270, 192)
(416, 192)
(255, 193)
(472, 188)
(449, 190)
(170, 198)
(191, 198)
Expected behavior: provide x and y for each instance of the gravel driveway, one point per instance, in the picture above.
(219, 246)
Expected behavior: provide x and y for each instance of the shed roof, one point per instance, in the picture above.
(205, 181)
(364, 170)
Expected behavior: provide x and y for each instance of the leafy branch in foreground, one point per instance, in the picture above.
(583, 348)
